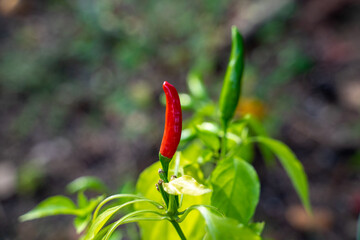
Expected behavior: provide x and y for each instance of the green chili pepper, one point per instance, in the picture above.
(230, 92)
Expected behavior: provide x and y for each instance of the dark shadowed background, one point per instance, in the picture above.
(80, 86)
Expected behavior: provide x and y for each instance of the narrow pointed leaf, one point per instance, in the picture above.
(81, 223)
(100, 221)
(292, 166)
(86, 183)
(260, 131)
(57, 205)
(196, 86)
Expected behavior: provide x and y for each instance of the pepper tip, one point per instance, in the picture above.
(166, 85)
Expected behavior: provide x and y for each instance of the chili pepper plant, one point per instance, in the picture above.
(208, 189)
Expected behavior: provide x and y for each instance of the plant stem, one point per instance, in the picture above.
(164, 195)
(165, 166)
(223, 142)
(178, 229)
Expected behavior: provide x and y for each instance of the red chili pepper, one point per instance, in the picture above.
(173, 122)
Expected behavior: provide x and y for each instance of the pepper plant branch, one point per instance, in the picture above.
(223, 140)
(178, 230)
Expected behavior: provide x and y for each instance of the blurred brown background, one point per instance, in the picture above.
(80, 83)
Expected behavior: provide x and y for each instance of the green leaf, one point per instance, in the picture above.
(206, 156)
(209, 135)
(292, 166)
(257, 227)
(237, 127)
(128, 187)
(196, 86)
(238, 145)
(246, 152)
(82, 200)
(100, 221)
(255, 125)
(209, 127)
(81, 223)
(260, 131)
(193, 226)
(187, 135)
(116, 235)
(57, 205)
(186, 101)
(236, 189)
(86, 183)
(220, 228)
(193, 151)
(185, 185)
(136, 216)
(194, 171)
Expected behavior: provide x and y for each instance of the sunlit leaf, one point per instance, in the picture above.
(221, 228)
(246, 152)
(193, 226)
(57, 205)
(196, 86)
(257, 227)
(81, 223)
(236, 189)
(100, 221)
(209, 135)
(194, 171)
(82, 200)
(187, 135)
(86, 183)
(205, 156)
(186, 101)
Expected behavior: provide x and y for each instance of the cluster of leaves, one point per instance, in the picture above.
(214, 177)
(233, 180)
(61, 205)
(234, 183)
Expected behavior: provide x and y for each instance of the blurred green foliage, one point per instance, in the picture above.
(84, 56)
(30, 177)
(95, 62)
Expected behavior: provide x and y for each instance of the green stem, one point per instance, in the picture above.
(177, 163)
(173, 206)
(171, 201)
(223, 142)
(127, 218)
(178, 230)
(165, 166)
(164, 195)
(118, 196)
(193, 207)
